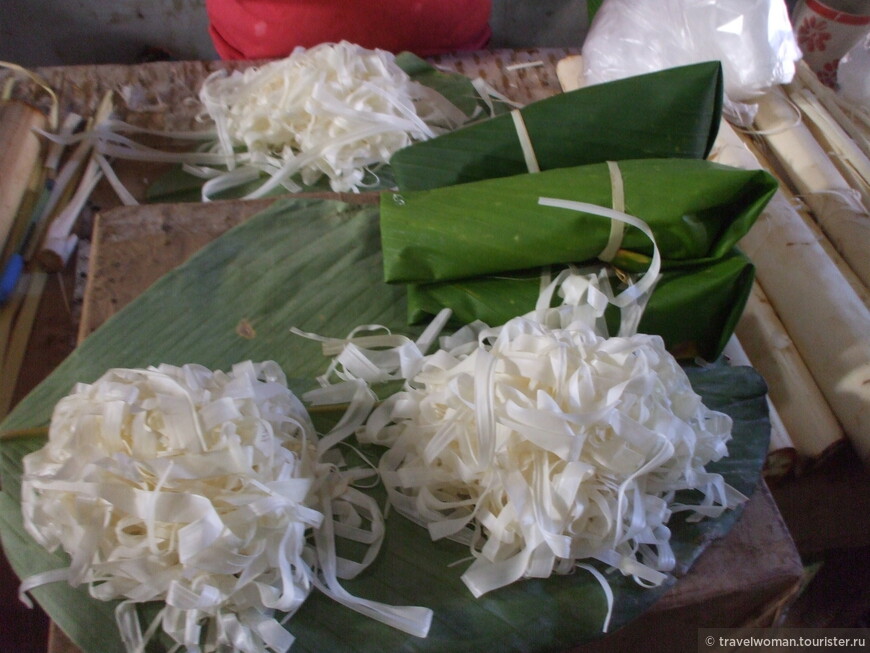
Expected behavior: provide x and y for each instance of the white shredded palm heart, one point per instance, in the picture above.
(335, 109)
(200, 489)
(543, 443)
(554, 445)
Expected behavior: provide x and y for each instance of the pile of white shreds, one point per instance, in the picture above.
(208, 491)
(543, 444)
(335, 109)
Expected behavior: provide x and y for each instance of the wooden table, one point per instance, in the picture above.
(742, 579)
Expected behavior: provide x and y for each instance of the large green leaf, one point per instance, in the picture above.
(317, 265)
(671, 113)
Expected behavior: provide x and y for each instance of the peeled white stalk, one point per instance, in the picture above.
(752, 156)
(826, 318)
(843, 152)
(858, 128)
(781, 453)
(810, 422)
(836, 205)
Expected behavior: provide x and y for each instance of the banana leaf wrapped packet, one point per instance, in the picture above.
(455, 244)
(716, 294)
(672, 113)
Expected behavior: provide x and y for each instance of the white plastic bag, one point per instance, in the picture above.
(752, 38)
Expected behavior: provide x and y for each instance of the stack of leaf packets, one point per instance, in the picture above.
(466, 231)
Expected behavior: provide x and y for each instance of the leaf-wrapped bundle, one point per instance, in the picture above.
(697, 211)
(669, 113)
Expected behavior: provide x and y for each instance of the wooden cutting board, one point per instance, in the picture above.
(744, 578)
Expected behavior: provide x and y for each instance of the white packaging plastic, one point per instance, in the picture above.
(752, 38)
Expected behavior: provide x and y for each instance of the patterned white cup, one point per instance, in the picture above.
(826, 33)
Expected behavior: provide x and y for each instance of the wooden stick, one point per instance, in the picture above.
(25, 433)
(59, 241)
(19, 155)
(782, 456)
(20, 337)
(809, 420)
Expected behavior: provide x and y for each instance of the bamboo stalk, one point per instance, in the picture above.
(782, 458)
(824, 316)
(801, 212)
(20, 337)
(835, 204)
(25, 208)
(814, 430)
(842, 151)
(831, 102)
(19, 156)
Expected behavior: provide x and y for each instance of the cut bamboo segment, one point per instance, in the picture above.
(836, 205)
(569, 72)
(782, 457)
(843, 152)
(802, 212)
(809, 420)
(824, 316)
(832, 102)
(19, 156)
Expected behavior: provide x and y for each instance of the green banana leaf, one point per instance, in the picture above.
(670, 113)
(694, 309)
(176, 185)
(697, 211)
(592, 7)
(317, 265)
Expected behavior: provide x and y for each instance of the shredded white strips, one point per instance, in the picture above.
(544, 444)
(338, 111)
(208, 491)
(335, 109)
